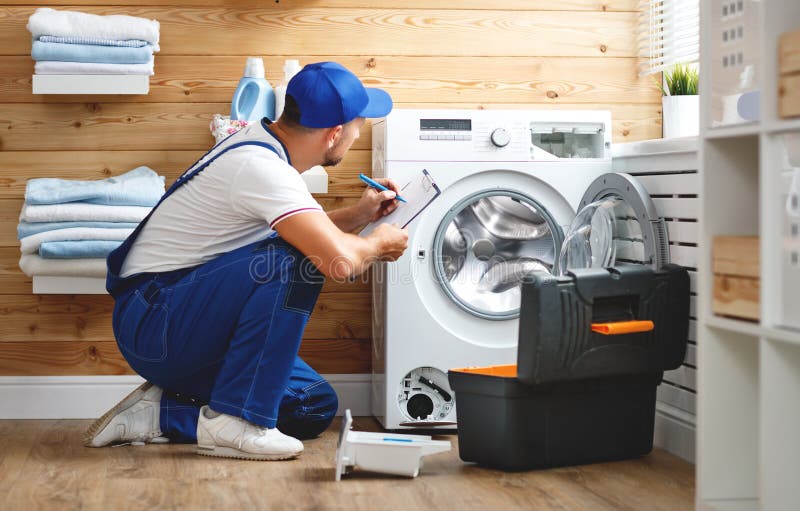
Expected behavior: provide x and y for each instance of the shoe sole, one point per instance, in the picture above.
(230, 452)
(101, 423)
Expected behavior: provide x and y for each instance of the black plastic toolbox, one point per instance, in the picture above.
(577, 395)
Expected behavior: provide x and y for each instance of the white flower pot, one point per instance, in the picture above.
(681, 116)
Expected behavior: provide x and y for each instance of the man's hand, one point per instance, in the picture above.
(337, 254)
(392, 241)
(374, 204)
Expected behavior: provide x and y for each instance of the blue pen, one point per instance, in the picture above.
(378, 186)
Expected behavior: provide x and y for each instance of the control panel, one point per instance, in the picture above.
(493, 135)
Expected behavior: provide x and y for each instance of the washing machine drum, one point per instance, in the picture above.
(617, 223)
(489, 241)
(485, 246)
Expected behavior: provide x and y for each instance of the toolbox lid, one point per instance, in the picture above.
(602, 322)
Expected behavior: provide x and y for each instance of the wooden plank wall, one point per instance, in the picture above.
(426, 53)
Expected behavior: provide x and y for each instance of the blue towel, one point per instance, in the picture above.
(138, 187)
(94, 41)
(86, 249)
(89, 53)
(25, 229)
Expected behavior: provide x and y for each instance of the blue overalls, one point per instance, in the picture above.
(225, 333)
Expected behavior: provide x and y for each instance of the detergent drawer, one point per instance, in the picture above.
(592, 323)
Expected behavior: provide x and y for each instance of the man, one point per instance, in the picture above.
(214, 288)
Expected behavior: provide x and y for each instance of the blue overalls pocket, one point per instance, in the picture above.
(305, 285)
(141, 329)
(281, 260)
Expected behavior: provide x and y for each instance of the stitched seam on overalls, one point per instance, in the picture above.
(292, 392)
(180, 407)
(261, 355)
(243, 409)
(315, 384)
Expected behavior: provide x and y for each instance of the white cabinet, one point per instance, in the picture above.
(748, 424)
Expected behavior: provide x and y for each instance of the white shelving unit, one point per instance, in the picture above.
(748, 424)
(55, 285)
(91, 84)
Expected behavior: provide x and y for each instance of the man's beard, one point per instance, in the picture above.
(330, 160)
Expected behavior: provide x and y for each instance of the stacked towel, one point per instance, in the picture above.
(69, 42)
(68, 227)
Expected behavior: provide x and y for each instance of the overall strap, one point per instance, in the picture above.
(116, 284)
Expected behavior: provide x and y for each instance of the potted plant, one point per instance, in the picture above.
(680, 103)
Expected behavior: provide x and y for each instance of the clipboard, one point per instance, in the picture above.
(420, 192)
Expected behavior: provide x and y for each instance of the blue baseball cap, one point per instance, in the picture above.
(328, 95)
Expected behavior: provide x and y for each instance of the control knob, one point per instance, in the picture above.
(500, 137)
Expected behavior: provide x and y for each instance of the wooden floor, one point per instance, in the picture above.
(44, 466)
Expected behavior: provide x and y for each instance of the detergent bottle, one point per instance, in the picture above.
(254, 97)
(290, 68)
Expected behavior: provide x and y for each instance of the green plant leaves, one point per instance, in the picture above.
(682, 80)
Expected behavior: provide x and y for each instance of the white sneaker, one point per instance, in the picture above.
(226, 436)
(134, 419)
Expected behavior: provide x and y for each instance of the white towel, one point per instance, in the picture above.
(30, 245)
(82, 212)
(32, 264)
(54, 67)
(46, 21)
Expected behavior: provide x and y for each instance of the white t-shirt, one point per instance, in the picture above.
(237, 200)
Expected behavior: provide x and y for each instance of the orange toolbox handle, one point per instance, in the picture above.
(623, 327)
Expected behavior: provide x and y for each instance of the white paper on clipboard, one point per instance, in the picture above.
(419, 192)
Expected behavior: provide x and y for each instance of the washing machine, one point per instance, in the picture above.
(511, 183)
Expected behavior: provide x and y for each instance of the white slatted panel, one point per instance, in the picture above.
(670, 184)
(682, 208)
(682, 232)
(673, 183)
(684, 376)
(691, 355)
(679, 398)
(683, 255)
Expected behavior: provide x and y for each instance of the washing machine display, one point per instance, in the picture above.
(485, 246)
(425, 395)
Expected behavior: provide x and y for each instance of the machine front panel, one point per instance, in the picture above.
(511, 182)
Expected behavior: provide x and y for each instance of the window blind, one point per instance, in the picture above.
(668, 34)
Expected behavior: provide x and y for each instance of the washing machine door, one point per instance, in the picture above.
(486, 244)
(617, 223)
